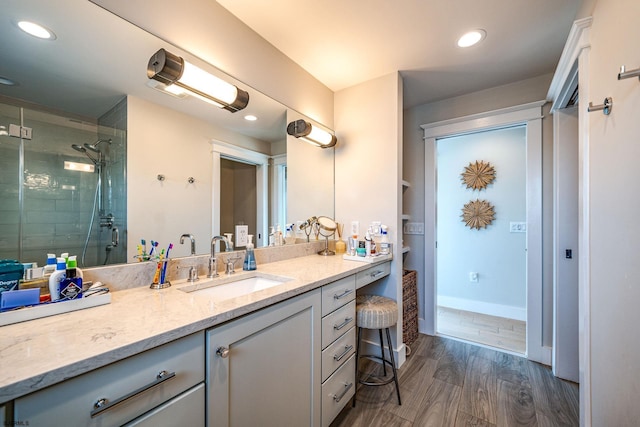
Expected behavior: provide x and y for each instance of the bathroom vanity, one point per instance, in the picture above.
(278, 356)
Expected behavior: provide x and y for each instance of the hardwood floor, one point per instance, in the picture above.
(450, 383)
(500, 332)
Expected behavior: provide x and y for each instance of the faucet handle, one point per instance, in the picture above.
(231, 266)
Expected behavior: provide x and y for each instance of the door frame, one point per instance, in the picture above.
(527, 114)
(261, 161)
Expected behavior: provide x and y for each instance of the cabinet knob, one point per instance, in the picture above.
(223, 352)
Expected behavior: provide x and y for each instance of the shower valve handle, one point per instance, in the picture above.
(115, 237)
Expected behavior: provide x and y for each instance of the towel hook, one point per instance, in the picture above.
(623, 74)
(606, 107)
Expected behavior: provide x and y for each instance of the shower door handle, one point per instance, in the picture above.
(115, 237)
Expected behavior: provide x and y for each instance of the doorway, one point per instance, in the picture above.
(237, 195)
(529, 115)
(481, 268)
(247, 170)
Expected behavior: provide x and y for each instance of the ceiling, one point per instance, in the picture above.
(343, 43)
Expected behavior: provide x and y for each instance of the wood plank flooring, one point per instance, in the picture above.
(450, 383)
(500, 332)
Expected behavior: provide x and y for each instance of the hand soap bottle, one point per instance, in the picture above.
(249, 257)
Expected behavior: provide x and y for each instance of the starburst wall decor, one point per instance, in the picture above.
(478, 214)
(478, 175)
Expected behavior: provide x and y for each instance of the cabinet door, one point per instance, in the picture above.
(264, 369)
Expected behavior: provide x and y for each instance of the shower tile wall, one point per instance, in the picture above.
(58, 203)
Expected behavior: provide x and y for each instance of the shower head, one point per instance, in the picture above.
(86, 153)
(94, 147)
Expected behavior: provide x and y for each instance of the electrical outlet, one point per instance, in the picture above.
(242, 233)
(517, 227)
(473, 277)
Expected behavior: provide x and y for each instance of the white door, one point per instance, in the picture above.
(565, 356)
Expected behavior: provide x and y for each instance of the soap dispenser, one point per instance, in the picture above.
(249, 256)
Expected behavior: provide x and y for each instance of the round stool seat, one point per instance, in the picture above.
(375, 312)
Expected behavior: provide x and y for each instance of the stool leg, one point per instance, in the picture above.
(384, 365)
(393, 366)
(353, 401)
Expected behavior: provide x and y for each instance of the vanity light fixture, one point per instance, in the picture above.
(36, 30)
(313, 135)
(172, 70)
(472, 38)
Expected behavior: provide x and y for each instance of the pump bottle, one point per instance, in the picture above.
(249, 257)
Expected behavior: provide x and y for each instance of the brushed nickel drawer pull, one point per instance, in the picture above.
(347, 349)
(344, 294)
(103, 404)
(347, 320)
(376, 274)
(347, 387)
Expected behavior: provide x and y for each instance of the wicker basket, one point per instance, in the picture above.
(409, 306)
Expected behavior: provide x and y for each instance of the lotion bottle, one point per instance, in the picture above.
(56, 278)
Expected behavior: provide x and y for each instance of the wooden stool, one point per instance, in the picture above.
(377, 312)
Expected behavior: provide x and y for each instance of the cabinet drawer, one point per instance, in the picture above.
(185, 410)
(130, 387)
(372, 274)
(338, 353)
(337, 294)
(337, 323)
(337, 390)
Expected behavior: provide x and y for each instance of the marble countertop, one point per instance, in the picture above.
(43, 352)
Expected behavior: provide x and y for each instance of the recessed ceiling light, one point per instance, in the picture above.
(250, 117)
(471, 38)
(7, 82)
(36, 30)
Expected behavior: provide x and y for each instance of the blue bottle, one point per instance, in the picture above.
(249, 257)
(71, 286)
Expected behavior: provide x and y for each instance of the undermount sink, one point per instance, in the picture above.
(225, 288)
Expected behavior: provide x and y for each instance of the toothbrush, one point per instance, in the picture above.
(163, 275)
(139, 253)
(144, 244)
(153, 245)
(156, 277)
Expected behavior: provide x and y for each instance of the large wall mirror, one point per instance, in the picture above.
(149, 157)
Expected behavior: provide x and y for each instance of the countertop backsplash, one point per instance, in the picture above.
(133, 275)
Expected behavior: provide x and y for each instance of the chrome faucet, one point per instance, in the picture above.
(193, 242)
(213, 263)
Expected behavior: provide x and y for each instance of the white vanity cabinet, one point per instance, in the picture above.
(263, 369)
(338, 346)
(119, 393)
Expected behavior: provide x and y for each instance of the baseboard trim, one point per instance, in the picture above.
(491, 309)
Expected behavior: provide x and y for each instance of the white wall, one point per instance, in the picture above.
(613, 152)
(508, 95)
(369, 167)
(162, 141)
(496, 254)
